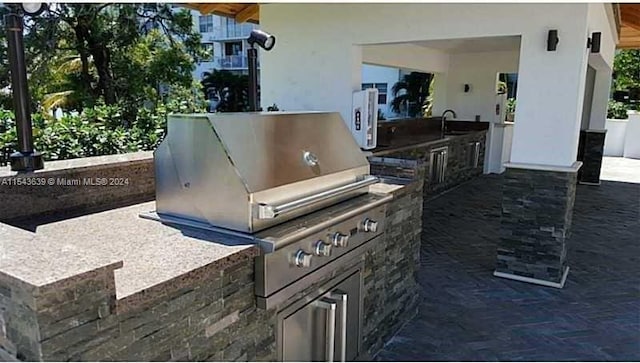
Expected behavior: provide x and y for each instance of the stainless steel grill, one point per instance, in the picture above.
(251, 171)
(297, 184)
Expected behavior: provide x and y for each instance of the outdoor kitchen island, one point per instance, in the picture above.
(116, 286)
(450, 157)
(113, 286)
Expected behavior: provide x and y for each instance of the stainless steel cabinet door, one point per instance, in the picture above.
(325, 329)
(307, 333)
(348, 326)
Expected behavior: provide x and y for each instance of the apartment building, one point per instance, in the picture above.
(226, 41)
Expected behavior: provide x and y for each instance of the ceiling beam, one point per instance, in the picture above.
(247, 13)
(210, 8)
(629, 38)
(630, 15)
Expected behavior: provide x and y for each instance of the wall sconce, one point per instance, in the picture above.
(594, 42)
(552, 40)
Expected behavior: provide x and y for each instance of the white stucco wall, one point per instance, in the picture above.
(632, 136)
(480, 71)
(316, 63)
(614, 139)
(601, 20)
(407, 56)
(386, 75)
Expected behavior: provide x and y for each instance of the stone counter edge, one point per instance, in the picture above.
(144, 298)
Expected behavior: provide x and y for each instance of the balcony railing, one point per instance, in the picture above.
(233, 62)
(237, 31)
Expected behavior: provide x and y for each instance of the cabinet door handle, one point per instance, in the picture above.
(329, 306)
(341, 298)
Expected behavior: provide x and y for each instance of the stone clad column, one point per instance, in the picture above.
(540, 179)
(593, 138)
(537, 206)
(592, 158)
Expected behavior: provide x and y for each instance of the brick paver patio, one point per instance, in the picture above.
(467, 314)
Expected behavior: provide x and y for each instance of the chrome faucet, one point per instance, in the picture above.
(444, 118)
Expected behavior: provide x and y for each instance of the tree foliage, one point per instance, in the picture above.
(411, 93)
(99, 130)
(123, 67)
(626, 67)
(231, 91)
(126, 54)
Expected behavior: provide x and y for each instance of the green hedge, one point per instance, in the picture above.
(101, 130)
(617, 110)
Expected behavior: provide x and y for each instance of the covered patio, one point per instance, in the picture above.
(468, 315)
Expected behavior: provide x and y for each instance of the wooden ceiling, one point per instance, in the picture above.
(242, 12)
(629, 26)
(250, 12)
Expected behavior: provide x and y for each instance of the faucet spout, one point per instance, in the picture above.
(444, 118)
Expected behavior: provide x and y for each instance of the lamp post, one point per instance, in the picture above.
(266, 41)
(26, 158)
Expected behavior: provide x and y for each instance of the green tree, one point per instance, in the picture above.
(121, 53)
(626, 67)
(231, 90)
(412, 93)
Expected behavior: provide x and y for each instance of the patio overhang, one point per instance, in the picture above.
(241, 12)
(629, 36)
(628, 18)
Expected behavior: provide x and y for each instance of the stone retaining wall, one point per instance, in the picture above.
(212, 316)
(63, 186)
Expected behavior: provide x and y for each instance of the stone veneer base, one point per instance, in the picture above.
(591, 155)
(530, 280)
(537, 208)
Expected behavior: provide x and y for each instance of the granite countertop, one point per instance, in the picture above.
(412, 141)
(80, 163)
(148, 252)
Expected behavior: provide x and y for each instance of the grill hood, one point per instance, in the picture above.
(250, 171)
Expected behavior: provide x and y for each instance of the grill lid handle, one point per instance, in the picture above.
(268, 211)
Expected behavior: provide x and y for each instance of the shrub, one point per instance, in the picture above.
(617, 110)
(95, 131)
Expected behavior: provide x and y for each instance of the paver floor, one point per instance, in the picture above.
(466, 314)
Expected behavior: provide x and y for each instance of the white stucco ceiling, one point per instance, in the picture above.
(473, 45)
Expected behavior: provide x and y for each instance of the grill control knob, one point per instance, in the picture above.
(340, 239)
(369, 225)
(302, 259)
(322, 248)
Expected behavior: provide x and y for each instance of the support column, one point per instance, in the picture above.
(540, 179)
(593, 138)
(593, 149)
(537, 207)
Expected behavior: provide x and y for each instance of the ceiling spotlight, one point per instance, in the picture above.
(33, 9)
(265, 40)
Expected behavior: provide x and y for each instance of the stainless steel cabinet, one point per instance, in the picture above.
(324, 326)
(473, 154)
(438, 164)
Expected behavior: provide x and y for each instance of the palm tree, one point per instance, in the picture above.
(411, 94)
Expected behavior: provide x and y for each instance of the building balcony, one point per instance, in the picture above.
(238, 31)
(232, 62)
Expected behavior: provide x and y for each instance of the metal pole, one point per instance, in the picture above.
(26, 158)
(252, 55)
